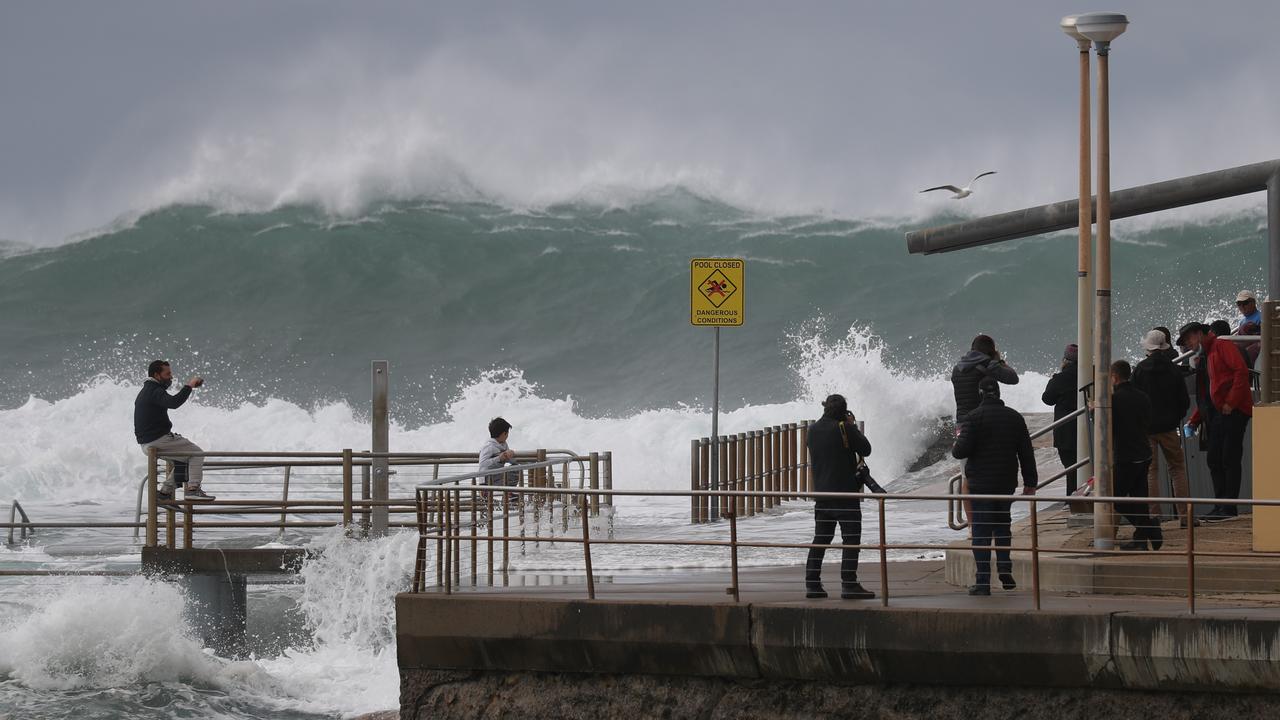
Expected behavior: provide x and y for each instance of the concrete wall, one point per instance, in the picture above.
(843, 644)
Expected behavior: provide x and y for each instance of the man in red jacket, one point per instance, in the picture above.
(1232, 400)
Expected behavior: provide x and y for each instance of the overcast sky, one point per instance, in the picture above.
(113, 108)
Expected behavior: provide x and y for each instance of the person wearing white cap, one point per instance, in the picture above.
(1247, 304)
(1166, 388)
(1250, 322)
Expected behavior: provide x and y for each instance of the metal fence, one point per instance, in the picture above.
(774, 459)
(443, 524)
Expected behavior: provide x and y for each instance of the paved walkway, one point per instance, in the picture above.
(915, 585)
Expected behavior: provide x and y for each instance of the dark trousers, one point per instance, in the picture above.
(989, 521)
(824, 531)
(1068, 458)
(1131, 481)
(1226, 455)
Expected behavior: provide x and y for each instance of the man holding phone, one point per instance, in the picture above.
(153, 429)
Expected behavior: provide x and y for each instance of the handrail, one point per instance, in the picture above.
(179, 517)
(15, 510)
(451, 534)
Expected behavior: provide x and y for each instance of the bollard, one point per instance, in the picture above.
(758, 501)
(607, 456)
(743, 473)
(693, 482)
(346, 487)
(704, 483)
(805, 474)
(595, 483)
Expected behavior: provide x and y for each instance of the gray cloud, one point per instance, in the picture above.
(845, 107)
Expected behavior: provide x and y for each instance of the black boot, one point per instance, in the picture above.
(855, 591)
(814, 591)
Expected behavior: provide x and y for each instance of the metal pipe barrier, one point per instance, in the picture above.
(452, 533)
(311, 484)
(775, 458)
(25, 527)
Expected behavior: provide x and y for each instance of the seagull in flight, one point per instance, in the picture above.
(960, 193)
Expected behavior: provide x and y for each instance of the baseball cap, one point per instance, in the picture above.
(1245, 296)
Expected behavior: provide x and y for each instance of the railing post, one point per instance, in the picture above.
(447, 531)
(733, 549)
(419, 556)
(884, 557)
(806, 477)
(152, 532)
(759, 470)
(438, 512)
(171, 527)
(792, 477)
(607, 456)
(744, 472)
(731, 448)
(778, 483)
(1035, 554)
(346, 487)
(381, 429)
(1191, 558)
(595, 482)
(704, 465)
(1270, 379)
(586, 550)
(366, 493)
(693, 481)
(284, 502)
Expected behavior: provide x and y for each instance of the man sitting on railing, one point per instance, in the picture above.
(994, 441)
(835, 444)
(153, 429)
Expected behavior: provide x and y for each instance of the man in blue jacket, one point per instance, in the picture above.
(153, 429)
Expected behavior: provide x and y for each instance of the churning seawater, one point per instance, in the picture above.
(569, 320)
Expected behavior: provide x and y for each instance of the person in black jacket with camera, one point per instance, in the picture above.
(995, 442)
(1060, 392)
(835, 448)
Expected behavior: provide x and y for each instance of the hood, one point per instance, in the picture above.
(973, 359)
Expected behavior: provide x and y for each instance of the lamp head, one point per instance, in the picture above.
(1101, 27)
(1068, 26)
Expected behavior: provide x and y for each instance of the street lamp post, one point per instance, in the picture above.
(1102, 28)
(1084, 277)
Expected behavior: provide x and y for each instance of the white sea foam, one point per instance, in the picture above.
(84, 445)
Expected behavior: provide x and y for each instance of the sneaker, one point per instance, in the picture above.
(1007, 581)
(815, 592)
(1183, 523)
(855, 591)
(197, 494)
(164, 496)
(983, 590)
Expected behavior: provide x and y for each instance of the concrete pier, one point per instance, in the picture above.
(216, 581)
(680, 648)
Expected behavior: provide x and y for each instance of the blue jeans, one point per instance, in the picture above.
(990, 522)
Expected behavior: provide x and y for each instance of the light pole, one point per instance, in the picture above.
(1102, 28)
(1084, 278)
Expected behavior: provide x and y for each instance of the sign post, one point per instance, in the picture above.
(716, 299)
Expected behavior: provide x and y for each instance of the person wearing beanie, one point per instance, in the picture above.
(1166, 389)
(982, 361)
(836, 446)
(1060, 392)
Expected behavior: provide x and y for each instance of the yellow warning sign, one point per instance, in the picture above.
(716, 291)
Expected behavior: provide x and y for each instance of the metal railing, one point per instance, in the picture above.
(449, 535)
(775, 459)
(329, 479)
(26, 528)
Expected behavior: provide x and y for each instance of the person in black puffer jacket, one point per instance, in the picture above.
(835, 448)
(1130, 418)
(982, 361)
(995, 442)
(1166, 387)
(1060, 392)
